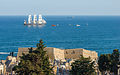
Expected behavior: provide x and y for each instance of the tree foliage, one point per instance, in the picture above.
(34, 63)
(114, 61)
(109, 62)
(104, 62)
(82, 66)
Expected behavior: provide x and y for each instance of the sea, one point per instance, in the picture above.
(95, 33)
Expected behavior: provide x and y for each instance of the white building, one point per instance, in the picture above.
(10, 63)
(1, 68)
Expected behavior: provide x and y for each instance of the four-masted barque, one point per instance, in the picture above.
(40, 20)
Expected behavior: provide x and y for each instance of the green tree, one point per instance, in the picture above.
(82, 66)
(115, 61)
(104, 63)
(109, 62)
(34, 63)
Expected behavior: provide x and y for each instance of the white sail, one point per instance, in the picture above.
(43, 21)
(35, 19)
(40, 19)
(29, 19)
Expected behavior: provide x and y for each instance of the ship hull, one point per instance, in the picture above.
(27, 24)
(35, 24)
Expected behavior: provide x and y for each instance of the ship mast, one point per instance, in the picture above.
(35, 19)
(40, 19)
(29, 19)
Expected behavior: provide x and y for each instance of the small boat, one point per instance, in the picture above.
(87, 24)
(57, 25)
(77, 25)
(53, 25)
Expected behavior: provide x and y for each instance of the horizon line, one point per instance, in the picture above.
(62, 15)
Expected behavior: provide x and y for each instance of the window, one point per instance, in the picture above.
(66, 52)
(73, 52)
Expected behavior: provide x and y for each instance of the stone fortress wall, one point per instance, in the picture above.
(76, 53)
(62, 54)
(73, 53)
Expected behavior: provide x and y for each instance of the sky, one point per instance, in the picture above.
(60, 7)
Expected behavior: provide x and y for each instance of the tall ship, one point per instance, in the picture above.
(37, 20)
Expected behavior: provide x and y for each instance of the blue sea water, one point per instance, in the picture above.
(96, 33)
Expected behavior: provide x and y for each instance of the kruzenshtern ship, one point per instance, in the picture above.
(40, 21)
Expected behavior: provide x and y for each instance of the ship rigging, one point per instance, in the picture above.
(40, 20)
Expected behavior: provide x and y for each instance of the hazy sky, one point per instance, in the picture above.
(60, 7)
